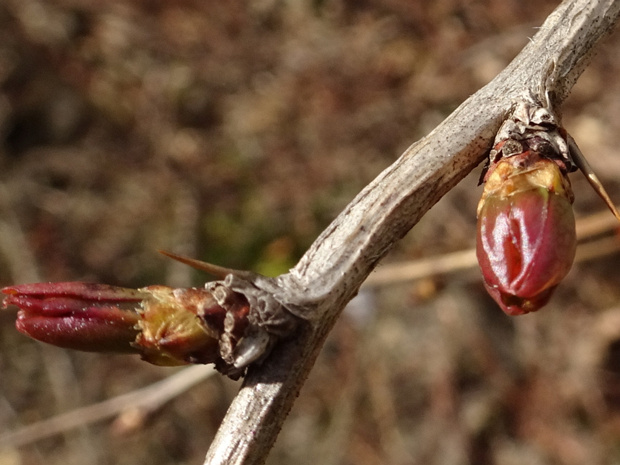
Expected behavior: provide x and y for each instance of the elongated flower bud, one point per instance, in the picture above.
(166, 326)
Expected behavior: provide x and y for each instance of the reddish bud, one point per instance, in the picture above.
(526, 232)
(166, 326)
(90, 317)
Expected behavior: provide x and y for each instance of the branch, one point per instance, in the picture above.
(336, 265)
(139, 402)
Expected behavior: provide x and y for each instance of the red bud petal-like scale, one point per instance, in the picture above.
(79, 316)
(112, 330)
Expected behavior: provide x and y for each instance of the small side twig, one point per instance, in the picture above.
(587, 227)
(145, 400)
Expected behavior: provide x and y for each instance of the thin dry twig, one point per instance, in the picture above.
(587, 227)
(336, 265)
(466, 259)
(395, 273)
(145, 400)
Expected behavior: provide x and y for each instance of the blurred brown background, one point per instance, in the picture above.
(235, 132)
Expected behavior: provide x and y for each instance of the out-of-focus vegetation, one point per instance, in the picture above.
(235, 132)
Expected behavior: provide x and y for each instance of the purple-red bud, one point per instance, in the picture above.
(166, 326)
(526, 232)
(79, 316)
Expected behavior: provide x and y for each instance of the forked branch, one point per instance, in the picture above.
(339, 261)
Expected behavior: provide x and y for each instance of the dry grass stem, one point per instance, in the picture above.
(587, 227)
(144, 400)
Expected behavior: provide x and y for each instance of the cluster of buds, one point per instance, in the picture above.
(217, 324)
(526, 237)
